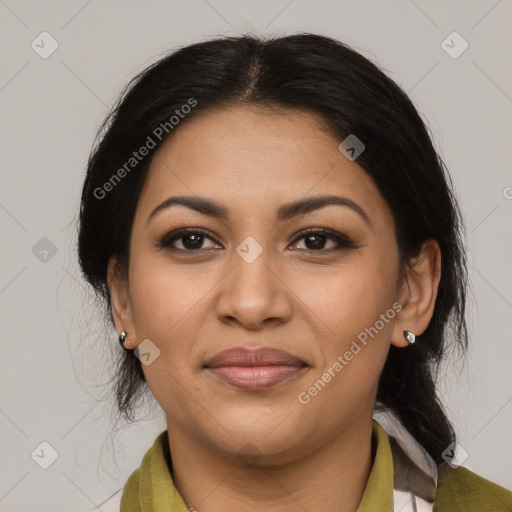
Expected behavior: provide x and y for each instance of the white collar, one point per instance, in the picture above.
(414, 471)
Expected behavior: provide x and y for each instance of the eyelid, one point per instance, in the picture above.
(173, 235)
(342, 241)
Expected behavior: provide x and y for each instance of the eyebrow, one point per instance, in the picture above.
(284, 212)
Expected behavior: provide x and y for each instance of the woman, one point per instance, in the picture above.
(280, 251)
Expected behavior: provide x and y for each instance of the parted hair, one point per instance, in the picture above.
(321, 75)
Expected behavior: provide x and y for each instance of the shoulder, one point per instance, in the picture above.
(130, 496)
(461, 489)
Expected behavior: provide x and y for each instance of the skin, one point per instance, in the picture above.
(297, 296)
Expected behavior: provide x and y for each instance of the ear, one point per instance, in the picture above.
(117, 281)
(417, 293)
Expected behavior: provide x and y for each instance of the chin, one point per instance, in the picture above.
(264, 440)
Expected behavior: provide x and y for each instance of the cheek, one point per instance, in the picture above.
(350, 298)
(169, 306)
(342, 391)
(165, 297)
(355, 305)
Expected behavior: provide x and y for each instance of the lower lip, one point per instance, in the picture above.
(255, 377)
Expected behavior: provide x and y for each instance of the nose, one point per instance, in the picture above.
(255, 293)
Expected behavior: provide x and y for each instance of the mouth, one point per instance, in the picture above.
(254, 369)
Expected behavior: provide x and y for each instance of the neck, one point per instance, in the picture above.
(331, 478)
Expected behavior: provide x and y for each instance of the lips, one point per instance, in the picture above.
(254, 369)
(259, 357)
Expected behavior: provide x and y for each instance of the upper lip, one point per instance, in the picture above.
(241, 356)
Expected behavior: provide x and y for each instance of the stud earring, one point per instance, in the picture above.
(410, 337)
(122, 338)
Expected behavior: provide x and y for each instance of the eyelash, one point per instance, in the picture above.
(342, 241)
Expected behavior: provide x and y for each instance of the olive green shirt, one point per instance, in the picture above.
(150, 487)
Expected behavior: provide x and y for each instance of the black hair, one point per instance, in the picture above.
(306, 72)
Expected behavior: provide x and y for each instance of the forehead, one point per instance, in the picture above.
(252, 156)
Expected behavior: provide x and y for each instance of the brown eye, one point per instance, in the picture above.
(316, 239)
(190, 239)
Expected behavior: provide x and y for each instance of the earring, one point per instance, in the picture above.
(122, 337)
(410, 337)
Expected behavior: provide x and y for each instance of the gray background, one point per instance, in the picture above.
(55, 350)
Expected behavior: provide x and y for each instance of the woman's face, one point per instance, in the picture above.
(253, 279)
